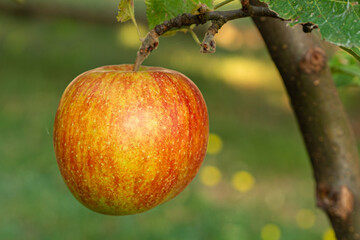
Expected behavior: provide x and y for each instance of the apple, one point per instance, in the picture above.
(128, 141)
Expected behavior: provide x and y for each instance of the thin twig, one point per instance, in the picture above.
(187, 19)
(150, 43)
(209, 45)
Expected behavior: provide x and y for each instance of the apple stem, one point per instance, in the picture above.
(149, 44)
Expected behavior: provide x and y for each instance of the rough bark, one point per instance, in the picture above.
(326, 131)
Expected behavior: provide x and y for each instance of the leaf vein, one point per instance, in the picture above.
(323, 16)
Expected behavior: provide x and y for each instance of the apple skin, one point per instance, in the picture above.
(128, 141)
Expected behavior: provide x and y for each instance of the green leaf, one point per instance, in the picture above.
(338, 20)
(158, 11)
(126, 10)
(345, 69)
(354, 51)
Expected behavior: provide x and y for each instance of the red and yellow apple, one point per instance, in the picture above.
(128, 141)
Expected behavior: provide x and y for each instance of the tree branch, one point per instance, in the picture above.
(188, 19)
(218, 18)
(325, 128)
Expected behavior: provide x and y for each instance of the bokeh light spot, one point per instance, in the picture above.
(215, 144)
(231, 37)
(210, 176)
(329, 234)
(243, 181)
(127, 35)
(270, 232)
(305, 218)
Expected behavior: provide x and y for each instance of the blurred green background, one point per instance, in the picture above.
(256, 181)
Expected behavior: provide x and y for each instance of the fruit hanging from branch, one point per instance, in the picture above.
(128, 141)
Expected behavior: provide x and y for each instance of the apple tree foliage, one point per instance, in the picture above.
(338, 22)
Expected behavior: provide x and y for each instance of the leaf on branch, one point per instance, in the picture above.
(126, 10)
(338, 20)
(158, 11)
(345, 69)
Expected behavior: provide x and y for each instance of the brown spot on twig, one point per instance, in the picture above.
(314, 60)
(337, 202)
